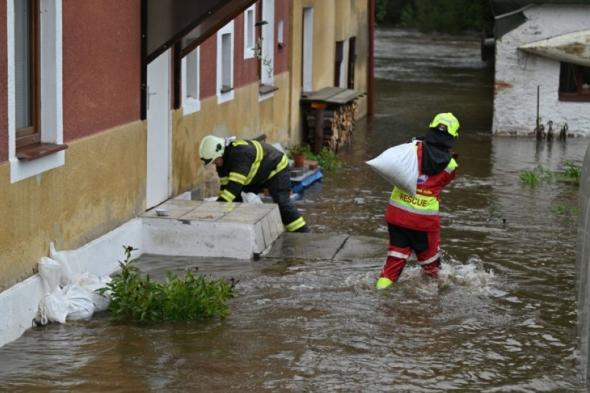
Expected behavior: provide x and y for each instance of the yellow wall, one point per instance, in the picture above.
(101, 185)
(334, 20)
(244, 117)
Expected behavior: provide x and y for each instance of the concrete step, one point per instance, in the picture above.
(210, 229)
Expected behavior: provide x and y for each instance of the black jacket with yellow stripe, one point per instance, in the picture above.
(248, 163)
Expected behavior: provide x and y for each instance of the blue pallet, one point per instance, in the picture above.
(306, 179)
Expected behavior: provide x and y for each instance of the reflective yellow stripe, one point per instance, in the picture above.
(282, 165)
(237, 177)
(452, 165)
(224, 180)
(420, 204)
(295, 225)
(239, 142)
(257, 161)
(226, 195)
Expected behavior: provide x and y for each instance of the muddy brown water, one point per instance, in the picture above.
(501, 318)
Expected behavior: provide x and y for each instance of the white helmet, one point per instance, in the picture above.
(211, 148)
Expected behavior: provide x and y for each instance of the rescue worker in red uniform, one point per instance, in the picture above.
(413, 221)
(251, 166)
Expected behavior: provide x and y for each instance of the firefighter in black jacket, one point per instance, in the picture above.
(250, 166)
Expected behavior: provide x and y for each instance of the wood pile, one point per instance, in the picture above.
(337, 125)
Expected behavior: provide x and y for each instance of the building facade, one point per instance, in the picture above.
(535, 84)
(92, 135)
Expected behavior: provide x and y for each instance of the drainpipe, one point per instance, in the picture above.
(371, 60)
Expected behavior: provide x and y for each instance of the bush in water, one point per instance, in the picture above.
(140, 299)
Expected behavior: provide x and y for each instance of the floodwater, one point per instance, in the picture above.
(501, 318)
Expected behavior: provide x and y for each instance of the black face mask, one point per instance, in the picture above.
(436, 151)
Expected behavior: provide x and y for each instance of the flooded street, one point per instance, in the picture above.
(502, 317)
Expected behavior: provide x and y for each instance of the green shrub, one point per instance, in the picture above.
(572, 172)
(534, 177)
(138, 298)
(327, 159)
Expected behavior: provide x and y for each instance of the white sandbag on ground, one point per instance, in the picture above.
(398, 165)
(70, 294)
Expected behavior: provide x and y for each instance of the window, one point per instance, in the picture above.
(351, 61)
(26, 72)
(35, 117)
(266, 57)
(191, 101)
(307, 51)
(574, 82)
(249, 32)
(281, 34)
(344, 65)
(225, 63)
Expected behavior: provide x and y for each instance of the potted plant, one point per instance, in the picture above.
(297, 153)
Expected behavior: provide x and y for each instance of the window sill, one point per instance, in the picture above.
(574, 97)
(38, 150)
(264, 89)
(226, 89)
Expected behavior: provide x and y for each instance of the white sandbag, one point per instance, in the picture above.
(70, 268)
(79, 300)
(399, 166)
(250, 197)
(50, 272)
(93, 283)
(53, 308)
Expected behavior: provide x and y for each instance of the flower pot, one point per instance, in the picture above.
(298, 160)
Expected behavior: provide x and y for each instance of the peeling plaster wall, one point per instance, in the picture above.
(518, 74)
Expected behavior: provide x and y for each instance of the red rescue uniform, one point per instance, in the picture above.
(414, 222)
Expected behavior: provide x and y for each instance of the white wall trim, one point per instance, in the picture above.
(191, 104)
(250, 28)
(227, 96)
(51, 90)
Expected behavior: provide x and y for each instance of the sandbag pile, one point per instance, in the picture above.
(70, 294)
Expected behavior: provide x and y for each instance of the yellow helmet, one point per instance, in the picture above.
(211, 148)
(449, 121)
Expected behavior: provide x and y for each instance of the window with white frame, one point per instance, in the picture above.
(267, 37)
(250, 32)
(191, 99)
(35, 117)
(225, 63)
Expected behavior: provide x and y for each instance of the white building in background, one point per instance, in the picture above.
(543, 69)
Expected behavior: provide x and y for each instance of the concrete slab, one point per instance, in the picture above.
(362, 247)
(213, 229)
(307, 246)
(174, 208)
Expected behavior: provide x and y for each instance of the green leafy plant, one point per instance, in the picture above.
(326, 159)
(536, 176)
(138, 298)
(571, 172)
(562, 210)
(295, 150)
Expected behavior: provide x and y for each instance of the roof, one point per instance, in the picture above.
(504, 6)
(508, 14)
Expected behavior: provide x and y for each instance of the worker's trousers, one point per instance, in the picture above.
(279, 187)
(404, 241)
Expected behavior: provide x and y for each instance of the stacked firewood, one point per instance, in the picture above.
(337, 125)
